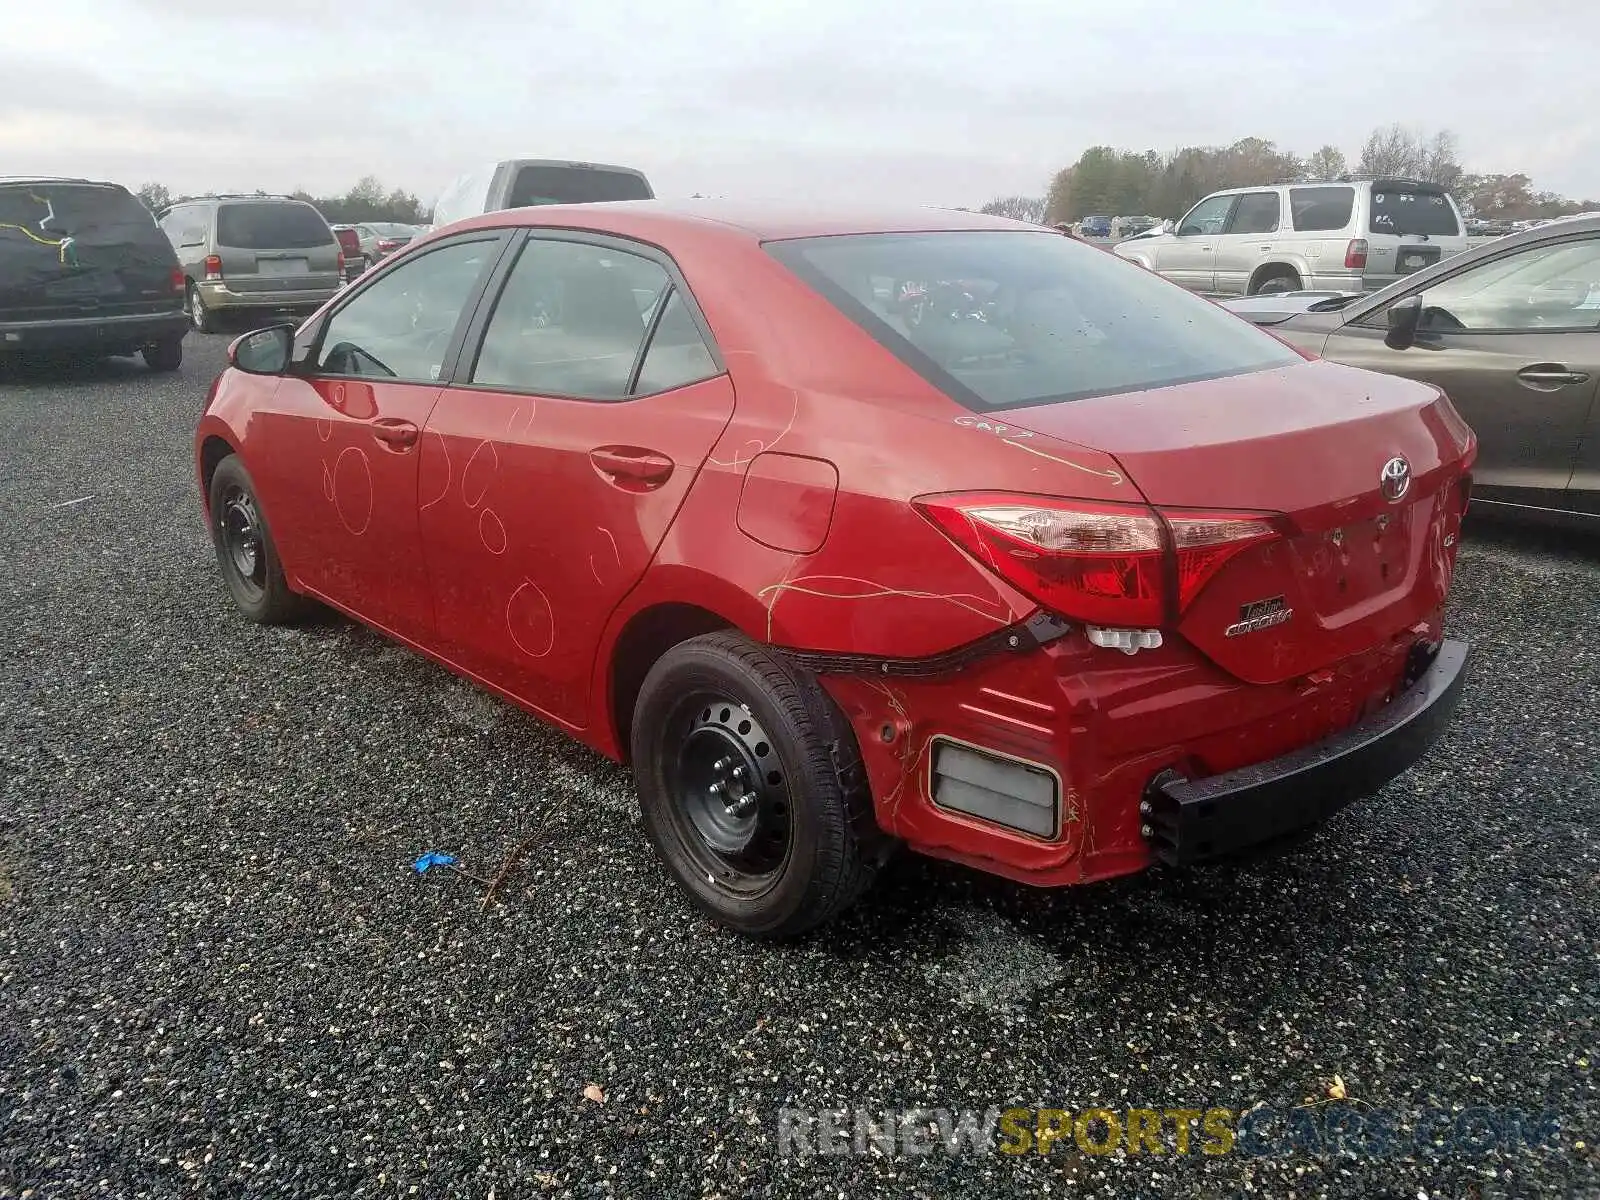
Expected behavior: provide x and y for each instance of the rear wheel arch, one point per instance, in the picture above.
(1275, 270)
(647, 635)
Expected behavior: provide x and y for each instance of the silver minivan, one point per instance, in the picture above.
(252, 255)
(1345, 235)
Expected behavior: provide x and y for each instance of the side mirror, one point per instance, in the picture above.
(1404, 317)
(263, 351)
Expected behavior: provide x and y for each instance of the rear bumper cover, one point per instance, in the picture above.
(1192, 821)
(113, 332)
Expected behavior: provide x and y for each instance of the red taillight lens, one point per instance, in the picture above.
(1355, 254)
(213, 266)
(1204, 541)
(178, 281)
(1105, 564)
(339, 263)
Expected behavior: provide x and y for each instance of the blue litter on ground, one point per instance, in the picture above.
(433, 858)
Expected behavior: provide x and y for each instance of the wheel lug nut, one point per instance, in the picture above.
(1145, 831)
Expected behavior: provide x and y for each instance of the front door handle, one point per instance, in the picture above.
(632, 467)
(1549, 376)
(396, 434)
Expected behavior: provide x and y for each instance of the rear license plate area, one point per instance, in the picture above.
(282, 266)
(1410, 259)
(1350, 565)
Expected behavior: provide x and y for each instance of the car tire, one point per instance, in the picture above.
(246, 553)
(718, 716)
(201, 317)
(1278, 281)
(165, 355)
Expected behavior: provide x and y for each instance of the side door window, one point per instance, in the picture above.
(571, 321)
(1552, 288)
(401, 326)
(1256, 213)
(1208, 217)
(677, 355)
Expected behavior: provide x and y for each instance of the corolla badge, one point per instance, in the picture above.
(1394, 481)
(1259, 615)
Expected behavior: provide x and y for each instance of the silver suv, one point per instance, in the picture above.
(1349, 235)
(252, 255)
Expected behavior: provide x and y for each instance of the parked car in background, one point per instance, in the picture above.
(85, 270)
(1098, 226)
(1511, 331)
(1127, 227)
(355, 259)
(1349, 235)
(379, 239)
(625, 464)
(251, 255)
(527, 182)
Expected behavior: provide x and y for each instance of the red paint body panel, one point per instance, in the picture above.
(530, 546)
(505, 544)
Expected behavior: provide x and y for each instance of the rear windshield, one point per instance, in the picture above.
(574, 185)
(59, 222)
(271, 225)
(1401, 208)
(1321, 209)
(1001, 319)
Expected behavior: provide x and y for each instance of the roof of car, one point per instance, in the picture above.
(761, 221)
(14, 180)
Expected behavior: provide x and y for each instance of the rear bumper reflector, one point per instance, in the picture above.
(1190, 821)
(1008, 792)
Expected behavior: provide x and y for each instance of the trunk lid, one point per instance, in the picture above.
(1355, 566)
(81, 249)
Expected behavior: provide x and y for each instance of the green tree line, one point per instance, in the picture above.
(368, 200)
(1114, 181)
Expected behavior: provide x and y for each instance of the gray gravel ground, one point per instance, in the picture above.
(219, 976)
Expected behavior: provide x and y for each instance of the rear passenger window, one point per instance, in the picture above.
(570, 321)
(1321, 209)
(678, 355)
(1257, 212)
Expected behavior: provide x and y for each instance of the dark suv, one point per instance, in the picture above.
(84, 269)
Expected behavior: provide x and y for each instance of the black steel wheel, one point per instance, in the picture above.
(729, 792)
(751, 787)
(245, 551)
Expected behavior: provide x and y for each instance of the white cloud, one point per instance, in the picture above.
(942, 102)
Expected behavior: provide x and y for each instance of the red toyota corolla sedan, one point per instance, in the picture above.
(1059, 572)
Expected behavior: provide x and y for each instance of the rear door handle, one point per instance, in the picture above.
(396, 433)
(632, 466)
(1549, 376)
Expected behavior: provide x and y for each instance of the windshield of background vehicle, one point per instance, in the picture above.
(271, 225)
(574, 185)
(1000, 319)
(1399, 209)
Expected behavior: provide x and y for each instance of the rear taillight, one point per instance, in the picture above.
(1104, 564)
(178, 281)
(339, 263)
(213, 266)
(1355, 254)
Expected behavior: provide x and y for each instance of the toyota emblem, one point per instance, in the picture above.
(1395, 479)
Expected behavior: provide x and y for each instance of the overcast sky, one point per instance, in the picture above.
(940, 101)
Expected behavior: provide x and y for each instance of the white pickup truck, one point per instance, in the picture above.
(521, 182)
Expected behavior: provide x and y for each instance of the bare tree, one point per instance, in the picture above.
(1392, 150)
(155, 196)
(1018, 208)
(1327, 163)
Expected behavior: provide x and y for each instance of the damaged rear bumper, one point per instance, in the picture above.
(1192, 821)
